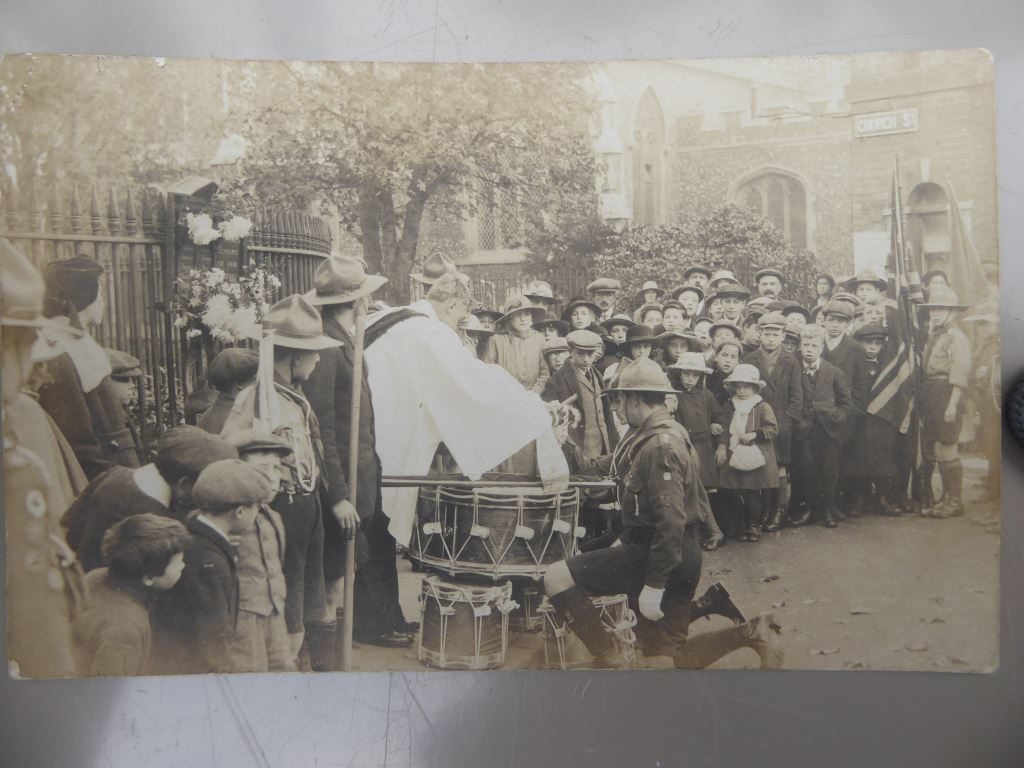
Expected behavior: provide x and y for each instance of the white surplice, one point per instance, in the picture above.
(427, 388)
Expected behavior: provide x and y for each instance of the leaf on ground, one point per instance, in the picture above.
(859, 611)
(955, 660)
(933, 620)
(937, 600)
(823, 651)
(809, 601)
(854, 665)
(779, 605)
(840, 621)
(942, 662)
(916, 647)
(767, 579)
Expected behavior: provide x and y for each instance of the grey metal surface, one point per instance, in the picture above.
(517, 719)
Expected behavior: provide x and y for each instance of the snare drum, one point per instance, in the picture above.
(563, 650)
(497, 532)
(528, 597)
(464, 626)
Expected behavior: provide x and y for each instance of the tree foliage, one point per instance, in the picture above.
(730, 238)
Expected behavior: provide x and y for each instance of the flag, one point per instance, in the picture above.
(892, 394)
(966, 275)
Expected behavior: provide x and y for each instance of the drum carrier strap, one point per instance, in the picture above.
(386, 323)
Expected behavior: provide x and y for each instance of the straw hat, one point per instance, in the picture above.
(691, 361)
(745, 373)
(339, 280)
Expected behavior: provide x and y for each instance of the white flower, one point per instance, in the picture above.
(235, 228)
(200, 228)
(191, 333)
(243, 322)
(180, 321)
(215, 277)
(218, 312)
(275, 281)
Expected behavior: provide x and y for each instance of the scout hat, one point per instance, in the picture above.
(745, 373)
(230, 483)
(768, 272)
(943, 297)
(123, 367)
(619, 319)
(584, 339)
(643, 375)
(233, 366)
(434, 266)
(684, 288)
(696, 269)
(471, 324)
(691, 361)
(551, 320)
(185, 451)
(870, 331)
(518, 304)
(557, 344)
(650, 285)
(637, 334)
(21, 294)
(254, 440)
(772, 320)
(339, 280)
(539, 289)
(579, 301)
(867, 276)
(725, 324)
(604, 284)
(297, 325)
(77, 279)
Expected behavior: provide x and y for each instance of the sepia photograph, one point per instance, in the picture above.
(367, 366)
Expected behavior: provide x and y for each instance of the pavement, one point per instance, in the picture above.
(906, 593)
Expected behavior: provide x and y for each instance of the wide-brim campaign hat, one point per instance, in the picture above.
(580, 302)
(339, 280)
(745, 373)
(643, 375)
(435, 266)
(21, 296)
(691, 361)
(550, 319)
(684, 288)
(296, 324)
(943, 297)
(519, 304)
(650, 285)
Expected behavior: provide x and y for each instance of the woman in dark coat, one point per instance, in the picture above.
(76, 388)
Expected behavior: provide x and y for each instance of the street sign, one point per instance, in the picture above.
(885, 123)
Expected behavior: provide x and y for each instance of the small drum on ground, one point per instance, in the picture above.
(463, 625)
(496, 532)
(563, 650)
(525, 618)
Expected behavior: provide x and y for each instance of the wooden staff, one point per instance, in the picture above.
(432, 481)
(353, 484)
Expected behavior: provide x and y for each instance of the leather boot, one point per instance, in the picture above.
(827, 519)
(801, 517)
(320, 641)
(715, 602)
(585, 620)
(774, 520)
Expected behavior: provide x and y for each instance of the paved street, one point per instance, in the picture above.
(875, 593)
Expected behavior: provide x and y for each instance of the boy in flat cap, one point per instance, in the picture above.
(292, 340)
(76, 388)
(125, 372)
(161, 488)
(341, 290)
(144, 555)
(231, 371)
(200, 615)
(556, 352)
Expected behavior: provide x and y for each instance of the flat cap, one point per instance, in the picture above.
(584, 339)
(186, 451)
(871, 331)
(604, 284)
(772, 320)
(839, 307)
(697, 269)
(557, 344)
(769, 272)
(233, 366)
(230, 483)
(254, 440)
(123, 365)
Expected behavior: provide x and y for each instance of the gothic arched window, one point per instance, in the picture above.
(781, 199)
(648, 161)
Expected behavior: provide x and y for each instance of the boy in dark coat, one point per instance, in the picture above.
(144, 555)
(784, 393)
(199, 615)
(230, 372)
(816, 435)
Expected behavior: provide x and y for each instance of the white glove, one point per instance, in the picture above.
(650, 603)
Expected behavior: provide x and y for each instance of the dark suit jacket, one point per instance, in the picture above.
(562, 385)
(827, 401)
(849, 358)
(784, 394)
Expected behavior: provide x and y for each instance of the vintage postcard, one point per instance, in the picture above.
(314, 366)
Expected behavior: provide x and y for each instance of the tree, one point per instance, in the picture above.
(379, 142)
(730, 238)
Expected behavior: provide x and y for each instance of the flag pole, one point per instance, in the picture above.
(348, 614)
